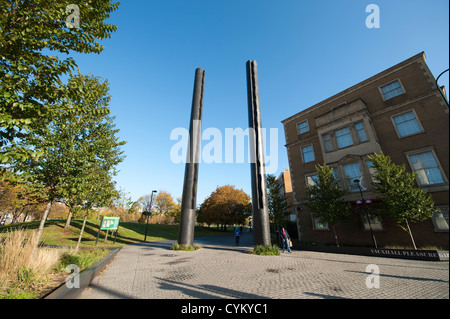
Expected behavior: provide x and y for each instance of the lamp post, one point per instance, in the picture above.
(439, 88)
(364, 202)
(149, 211)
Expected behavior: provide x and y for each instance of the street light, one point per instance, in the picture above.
(149, 212)
(365, 202)
(439, 88)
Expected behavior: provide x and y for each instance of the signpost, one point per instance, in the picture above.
(108, 223)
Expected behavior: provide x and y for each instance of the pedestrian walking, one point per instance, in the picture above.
(285, 240)
(237, 233)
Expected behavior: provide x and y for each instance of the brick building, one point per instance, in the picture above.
(399, 112)
(286, 186)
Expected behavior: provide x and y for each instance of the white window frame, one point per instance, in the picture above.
(441, 224)
(307, 127)
(330, 135)
(426, 150)
(308, 178)
(347, 134)
(372, 170)
(363, 130)
(417, 119)
(303, 155)
(386, 84)
(361, 178)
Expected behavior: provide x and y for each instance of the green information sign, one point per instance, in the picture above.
(110, 223)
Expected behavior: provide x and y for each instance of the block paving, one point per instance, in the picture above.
(220, 269)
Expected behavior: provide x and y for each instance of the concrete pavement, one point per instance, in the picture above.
(222, 270)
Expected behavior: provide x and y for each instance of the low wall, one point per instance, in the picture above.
(430, 255)
(86, 276)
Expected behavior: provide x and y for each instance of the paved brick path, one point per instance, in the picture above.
(222, 270)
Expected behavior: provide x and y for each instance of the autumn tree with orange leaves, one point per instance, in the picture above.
(225, 206)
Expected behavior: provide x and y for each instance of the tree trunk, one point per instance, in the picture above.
(25, 217)
(69, 217)
(42, 224)
(335, 236)
(82, 230)
(410, 234)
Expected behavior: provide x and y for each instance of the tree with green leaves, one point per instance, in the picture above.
(278, 206)
(74, 148)
(325, 199)
(91, 141)
(36, 38)
(99, 191)
(401, 199)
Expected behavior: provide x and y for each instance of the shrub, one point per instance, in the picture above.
(177, 246)
(82, 258)
(266, 250)
(20, 268)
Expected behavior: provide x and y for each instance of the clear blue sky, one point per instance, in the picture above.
(306, 52)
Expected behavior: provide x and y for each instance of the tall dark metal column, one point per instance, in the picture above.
(189, 199)
(259, 190)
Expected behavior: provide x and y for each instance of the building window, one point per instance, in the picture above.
(352, 172)
(337, 176)
(372, 170)
(308, 154)
(343, 137)
(392, 89)
(318, 224)
(406, 124)
(375, 223)
(359, 128)
(328, 143)
(303, 127)
(426, 168)
(312, 180)
(440, 219)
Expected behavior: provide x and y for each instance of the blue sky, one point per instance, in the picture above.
(306, 52)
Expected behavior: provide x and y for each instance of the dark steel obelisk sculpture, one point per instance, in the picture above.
(189, 199)
(259, 190)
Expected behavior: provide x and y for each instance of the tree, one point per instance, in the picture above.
(226, 206)
(278, 206)
(33, 37)
(74, 148)
(164, 204)
(88, 141)
(176, 213)
(401, 199)
(145, 202)
(326, 199)
(100, 192)
(135, 209)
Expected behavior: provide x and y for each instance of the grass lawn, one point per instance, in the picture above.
(55, 234)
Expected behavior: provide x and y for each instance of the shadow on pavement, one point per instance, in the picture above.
(322, 296)
(206, 291)
(110, 292)
(401, 277)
